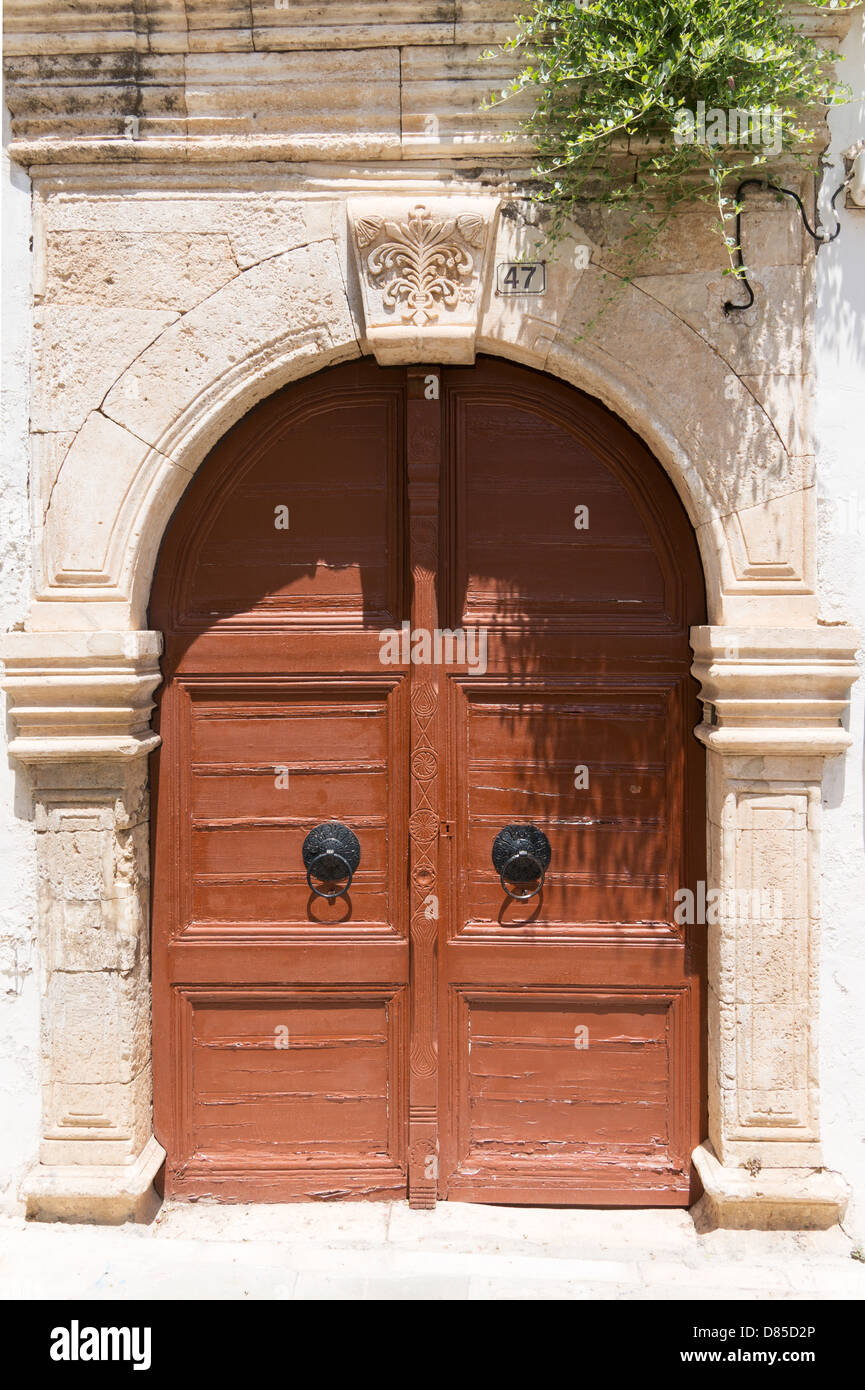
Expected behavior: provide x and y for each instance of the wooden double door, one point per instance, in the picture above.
(427, 605)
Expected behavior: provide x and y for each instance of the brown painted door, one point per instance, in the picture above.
(280, 1019)
(427, 604)
(570, 1023)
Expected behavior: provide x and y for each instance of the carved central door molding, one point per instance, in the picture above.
(423, 452)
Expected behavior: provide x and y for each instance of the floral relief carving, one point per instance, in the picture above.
(426, 262)
(422, 265)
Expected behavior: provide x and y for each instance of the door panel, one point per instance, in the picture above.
(252, 1105)
(569, 1024)
(333, 456)
(281, 1018)
(614, 852)
(539, 1119)
(523, 460)
(244, 854)
(424, 1032)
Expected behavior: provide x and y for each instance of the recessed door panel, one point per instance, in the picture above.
(301, 1088)
(267, 767)
(569, 1092)
(590, 767)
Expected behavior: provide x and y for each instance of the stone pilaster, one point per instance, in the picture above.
(774, 700)
(80, 707)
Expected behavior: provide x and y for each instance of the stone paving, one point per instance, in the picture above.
(386, 1251)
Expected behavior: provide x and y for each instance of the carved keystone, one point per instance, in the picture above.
(422, 264)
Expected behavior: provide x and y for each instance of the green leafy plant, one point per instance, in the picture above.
(636, 101)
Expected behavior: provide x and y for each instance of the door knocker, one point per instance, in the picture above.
(521, 854)
(331, 853)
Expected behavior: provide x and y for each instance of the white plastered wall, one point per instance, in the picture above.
(840, 439)
(19, 980)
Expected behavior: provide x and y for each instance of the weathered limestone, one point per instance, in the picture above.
(299, 309)
(81, 714)
(111, 266)
(799, 1199)
(776, 691)
(106, 1194)
(774, 703)
(78, 696)
(167, 81)
(71, 383)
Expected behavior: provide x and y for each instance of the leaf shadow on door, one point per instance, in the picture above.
(567, 549)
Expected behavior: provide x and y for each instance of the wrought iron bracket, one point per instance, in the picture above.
(821, 235)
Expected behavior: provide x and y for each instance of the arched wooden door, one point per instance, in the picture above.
(428, 604)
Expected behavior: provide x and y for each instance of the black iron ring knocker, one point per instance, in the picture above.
(521, 854)
(331, 853)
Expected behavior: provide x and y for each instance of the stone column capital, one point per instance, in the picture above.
(80, 696)
(775, 691)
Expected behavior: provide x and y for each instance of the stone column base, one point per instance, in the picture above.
(774, 1199)
(101, 1194)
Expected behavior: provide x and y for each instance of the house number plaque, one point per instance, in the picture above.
(521, 277)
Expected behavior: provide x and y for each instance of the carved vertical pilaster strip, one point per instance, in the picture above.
(92, 852)
(764, 1034)
(423, 447)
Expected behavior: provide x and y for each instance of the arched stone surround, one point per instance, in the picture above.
(260, 289)
(749, 499)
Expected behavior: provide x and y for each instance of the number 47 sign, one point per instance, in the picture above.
(521, 277)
